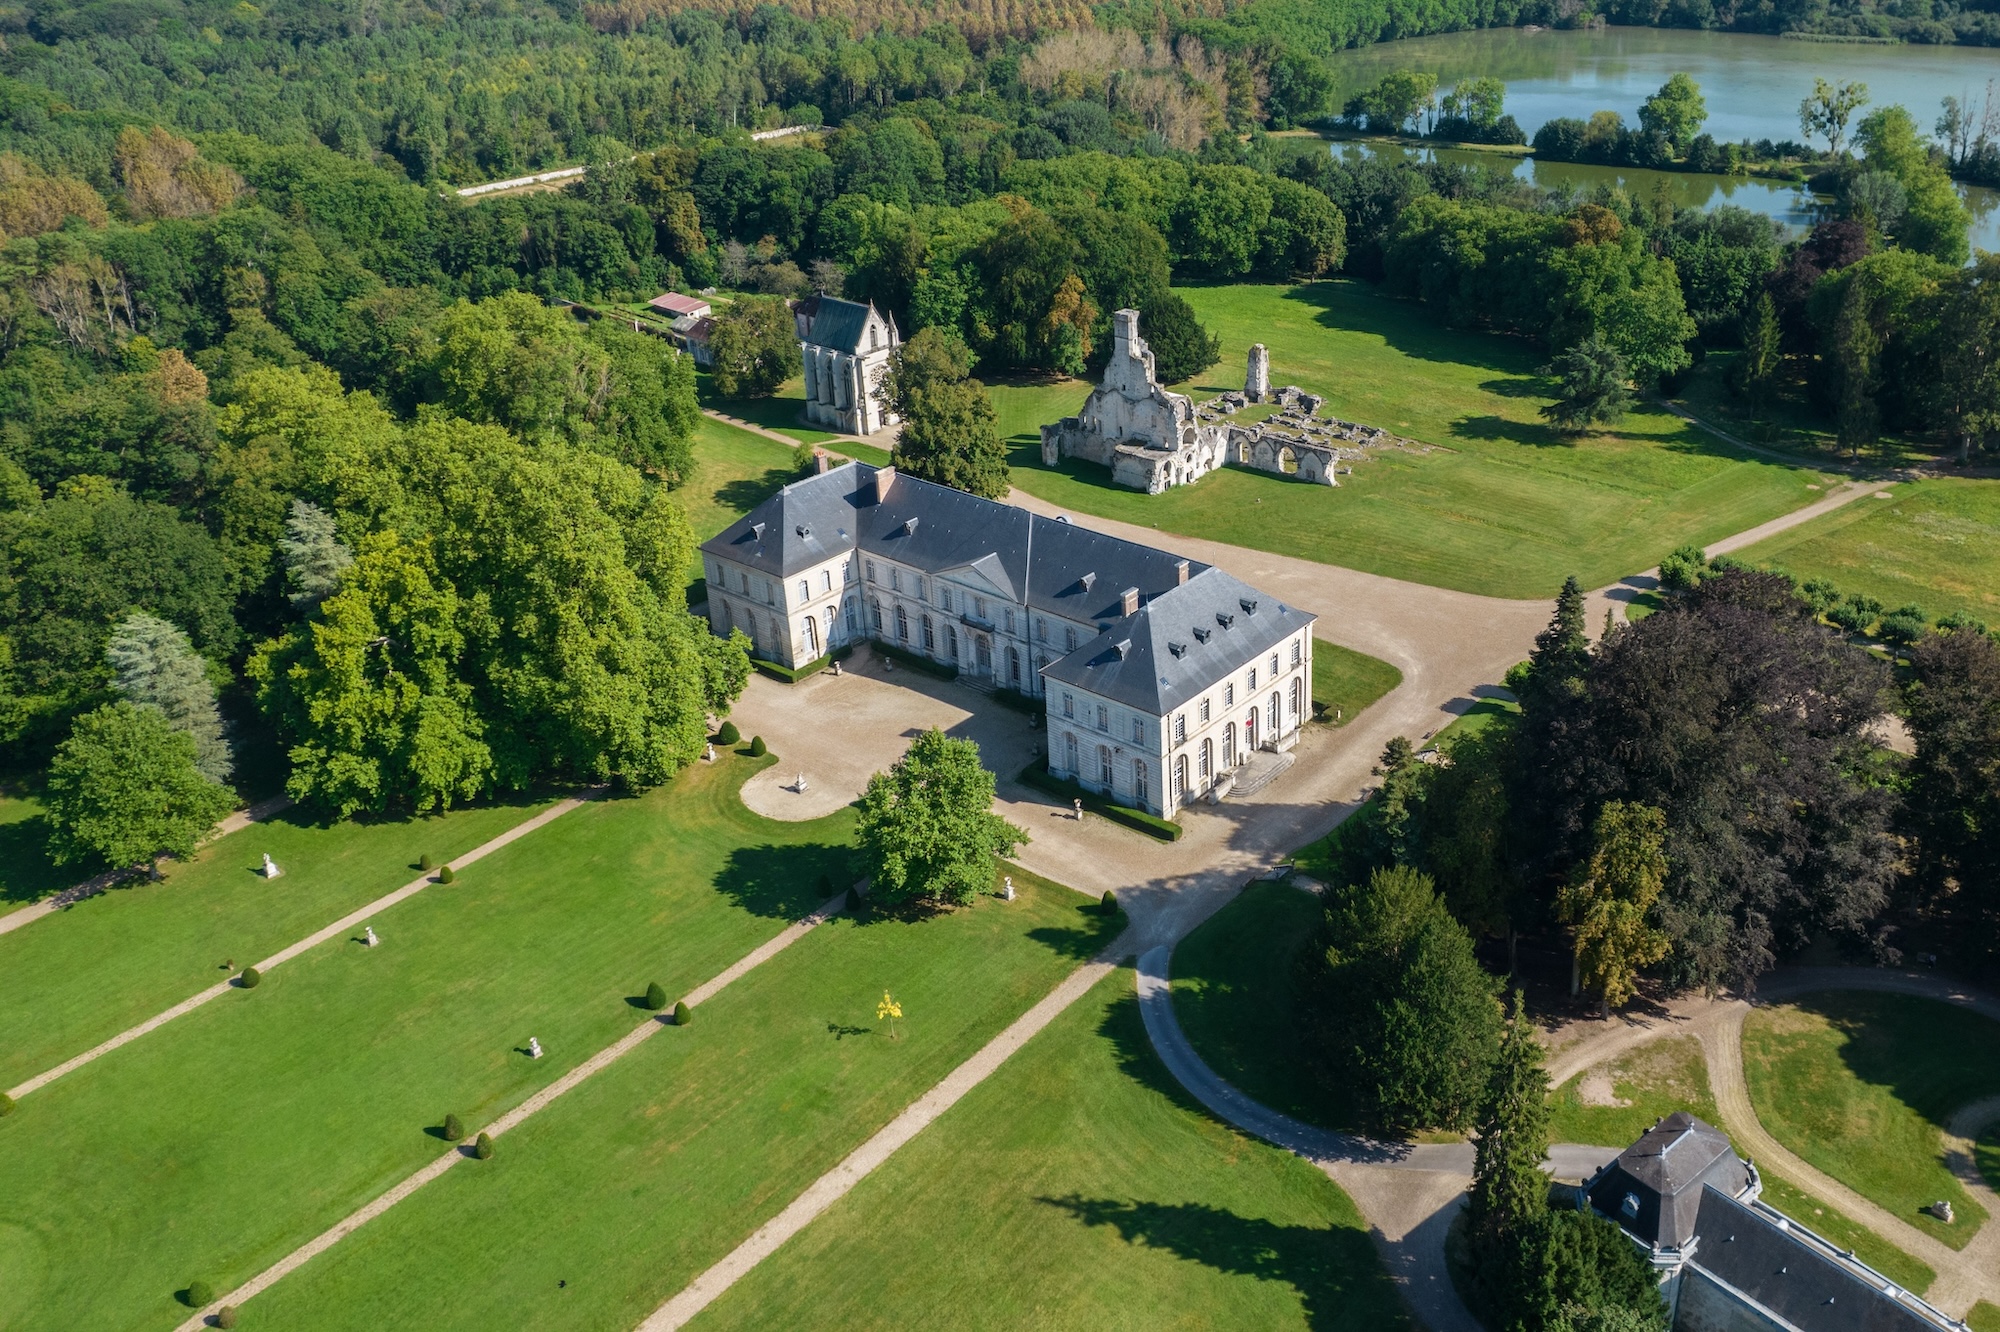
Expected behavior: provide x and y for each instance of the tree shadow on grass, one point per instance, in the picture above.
(747, 492)
(785, 882)
(1932, 1057)
(26, 872)
(1335, 1270)
(1510, 432)
(1412, 328)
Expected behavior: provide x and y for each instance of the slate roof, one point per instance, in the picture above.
(1747, 1249)
(1178, 644)
(1048, 564)
(838, 325)
(1664, 1171)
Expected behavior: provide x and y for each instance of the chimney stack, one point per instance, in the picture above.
(885, 478)
(1128, 601)
(1180, 572)
(820, 461)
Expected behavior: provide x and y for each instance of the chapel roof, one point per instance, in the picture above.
(838, 325)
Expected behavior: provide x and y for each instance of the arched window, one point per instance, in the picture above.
(930, 637)
(1104, 766)
(1180, 777)
(1295, 700)
(1274, 714)
(1014, 666)
(902, 625)
(851, 626)
(727, 619)
(811, 627)
(1138, 783)
(1207, 761)
(805, 590)
(951, 641)
(1229, 745)
(875, 616)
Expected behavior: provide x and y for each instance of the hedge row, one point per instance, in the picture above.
(1037, 775)
(916, 662)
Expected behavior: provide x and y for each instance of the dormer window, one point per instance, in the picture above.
(1202, 635)
(909, 527)
(1629, 1207)
(1224, 618)
(1086, 581)
(757, 531)
(1249, 606)
(1178, 649)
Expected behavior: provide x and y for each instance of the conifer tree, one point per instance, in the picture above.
(1508, 1203)
(154, 666)
(314, 555)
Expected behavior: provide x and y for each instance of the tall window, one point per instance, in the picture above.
(1295, 700)
(930, 639)
(1274, 715)
(1253, 679)
(1138, 783)
(951, 641)
(846, 574)
(895, 579)
(1229, 745)
(1229, 696)
(1104, 766)
(902, 625)
(812, 638)
(1180, 777)
(1103, 718)
(1069, 701)
(1207, 761)
(1014, 666)
(805, 591)
(1298, 651)
(1138, 732)
(944, 597)
(826, 580)
(920, 589)
(871, 571)
(1041, 629)
(979, 607)
(1204, 712)
(875, 616)
(1069, 638)
(1274, 665)
(726, 621)
(1069, 753)
(1010, 622)
(851, 626)
(1180, 728)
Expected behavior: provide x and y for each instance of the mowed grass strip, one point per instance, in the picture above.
(734, 471)
(605, 1205)
(220, 1143)
(1860, 1085)
(1611, 1105)
(1234, 991)
(1078, 1187)
(1932, 543)
(88, 972)
(1345, 682)
(1506, 508)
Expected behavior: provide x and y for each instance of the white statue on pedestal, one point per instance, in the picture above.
(369, 936)
(270, 870)
(534, 1048)
(1008, 891)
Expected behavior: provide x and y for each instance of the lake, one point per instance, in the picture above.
(1753, 86)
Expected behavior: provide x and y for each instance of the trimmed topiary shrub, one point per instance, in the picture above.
(656, 996)
(248, 980)
(453, 1130)
(447, 875)
(198, 1294)
(1681, 570)
(7, 1105)
(482, 1147)
(226, 1316)
(682, 1014)
(424, 862)
(1108, 904)
(757, 747)
(728, 735)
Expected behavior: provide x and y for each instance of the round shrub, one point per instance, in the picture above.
(728, 735)
(656, 996)
(757, 747)
(7, 1105)
(482, 1147)
(424, 862)
(198, 1294)
(682, 1014)
(1683, 568)
(1905, 625)
(226, 1316)
(1108, 904)
(446, 875)
(453, 1130)
(248, 980)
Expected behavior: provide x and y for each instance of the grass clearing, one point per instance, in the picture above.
(219, 1143)
(1934, 543)
(735, 471)
(93, 969)
(1078, 1187)
(1985, 1317)
(1233, 991)
(636, 1182)
(1345, 681)
(1611, 1105)
(1860, 1085)
(1505, 507)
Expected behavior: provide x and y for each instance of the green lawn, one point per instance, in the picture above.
(1860, 1085)
(1233, 993)
(1985, 1317)
(734, 472)
(88, 972)
(1505, 508)
(224, 1140)
(1656, 1080)
(1345, 681)
(1935, 543)
(640, 1179)
(1078, 1188)
(1482, 714)
(26, 873)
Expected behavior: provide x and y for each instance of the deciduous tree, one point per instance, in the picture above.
(755, 345)
(1608, 898)
(124, 788)
(926, 827)
(949, 433)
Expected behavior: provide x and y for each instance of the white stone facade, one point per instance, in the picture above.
(846, 350)
(1148, 436)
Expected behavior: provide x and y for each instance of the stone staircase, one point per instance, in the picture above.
(1258, 771)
